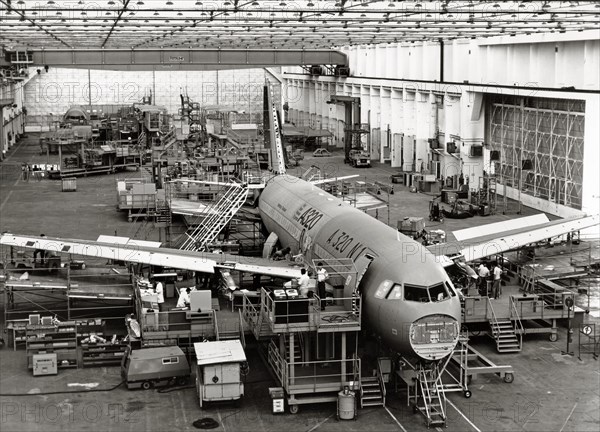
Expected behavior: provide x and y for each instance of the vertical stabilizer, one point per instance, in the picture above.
(273, 133)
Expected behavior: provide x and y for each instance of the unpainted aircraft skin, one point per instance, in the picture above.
(321, 226)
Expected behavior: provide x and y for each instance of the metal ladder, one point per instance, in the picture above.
(168, 139)
(218, 217)
(313, 173)
(504, 332)
(430, 397)
(141, 141)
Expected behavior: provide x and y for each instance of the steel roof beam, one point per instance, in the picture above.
(188, 58)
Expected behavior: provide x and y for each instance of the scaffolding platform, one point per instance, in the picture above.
(471, 363)
(312, 353)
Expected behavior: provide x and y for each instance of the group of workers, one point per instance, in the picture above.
(182, 302)
(28, 172)
(304, 283)
(492, 275)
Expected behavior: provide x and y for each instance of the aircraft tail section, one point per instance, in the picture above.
(273, 137)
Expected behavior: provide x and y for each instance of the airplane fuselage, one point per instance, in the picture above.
(408, 298)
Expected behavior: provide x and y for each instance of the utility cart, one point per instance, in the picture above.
(220, 367)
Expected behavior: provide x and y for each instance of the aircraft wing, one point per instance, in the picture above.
(494, 241)
(133, 251)
(332, 179)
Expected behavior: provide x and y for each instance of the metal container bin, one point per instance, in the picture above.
(69, 184)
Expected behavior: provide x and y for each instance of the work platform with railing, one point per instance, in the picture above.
(311, 343)
(515, 314)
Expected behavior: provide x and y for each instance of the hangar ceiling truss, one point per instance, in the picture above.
(94, 24)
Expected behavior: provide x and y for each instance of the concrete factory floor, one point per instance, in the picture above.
(550, 392)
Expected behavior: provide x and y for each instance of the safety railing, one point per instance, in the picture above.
(277, 363)
(493, 320)
(381, 382)
(540, 306)
(303, 313)
(518, 325)
(242, 335)
(320, 375)
(204, 323)
(475, 309)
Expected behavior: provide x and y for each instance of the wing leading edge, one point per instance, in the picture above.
(134, 252)
(508, 240)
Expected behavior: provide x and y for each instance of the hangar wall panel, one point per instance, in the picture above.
(549, 60)
(568, 176)
(54, 92)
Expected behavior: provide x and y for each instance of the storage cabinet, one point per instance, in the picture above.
(53, 339)
(102, 354)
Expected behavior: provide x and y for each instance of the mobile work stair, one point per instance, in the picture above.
(430, 397)
(372, 388)
(235, 333)
(297, 354)
(141, 141)
(217, 217)
(507, 333)
(312, 174)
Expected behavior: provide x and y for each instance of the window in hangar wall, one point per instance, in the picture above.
(541, 145)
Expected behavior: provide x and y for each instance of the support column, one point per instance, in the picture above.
(343, 357)
(386, 116)
(375, 97)
(292, 371)
(397, 127)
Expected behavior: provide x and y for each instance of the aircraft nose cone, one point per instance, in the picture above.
(434, 336)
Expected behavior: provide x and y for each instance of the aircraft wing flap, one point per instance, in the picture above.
(487, 245)
(267, 270)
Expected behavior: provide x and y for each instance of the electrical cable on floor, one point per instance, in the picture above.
(206, 423)
(61, 392)
(175, 388)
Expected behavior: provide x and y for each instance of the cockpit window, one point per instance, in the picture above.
(438, 292)
(416, 293)
(383, 289)
(395, 293)
(451, 289)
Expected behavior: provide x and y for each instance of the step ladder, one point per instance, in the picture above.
(371, 393)
(163, 213)
(430, 397)
(296, 355)
(504, 332)
(141, 141)
(262, 329)
(228, 335)
(168, 139)
(217, 217)
(312, 174)
(144, 228)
